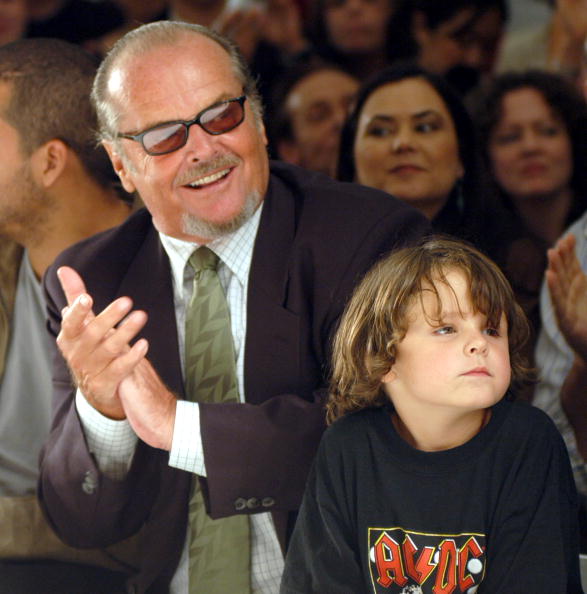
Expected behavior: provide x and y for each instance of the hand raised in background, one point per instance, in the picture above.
(567, 284)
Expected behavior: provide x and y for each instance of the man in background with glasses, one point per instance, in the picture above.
(181, 120)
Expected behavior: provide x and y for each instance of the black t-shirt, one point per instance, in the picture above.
(495, 515)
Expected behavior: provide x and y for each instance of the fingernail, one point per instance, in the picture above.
(83, 299)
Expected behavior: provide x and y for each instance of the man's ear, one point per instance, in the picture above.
(48, 162)
(119, 165)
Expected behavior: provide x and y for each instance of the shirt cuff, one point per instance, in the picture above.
(187, 451)
(112, 442)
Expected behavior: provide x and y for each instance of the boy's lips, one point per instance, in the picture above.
(480, 371)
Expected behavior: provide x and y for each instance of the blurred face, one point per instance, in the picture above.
(13, 20)
(450, 360)
(458, 42)
(406, 144)
(209, 186)
(357, 26)
(530, 149)
(318, 106)
(24, 205)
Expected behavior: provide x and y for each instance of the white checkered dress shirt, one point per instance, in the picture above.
(554, 359)
(113, 442)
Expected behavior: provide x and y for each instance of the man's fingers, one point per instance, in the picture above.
(89, 346)
(75, 318)
(71, 283)
(78, 318)
(117, 340)
(123, 365)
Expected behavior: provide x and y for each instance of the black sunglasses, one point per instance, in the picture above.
(165, 138)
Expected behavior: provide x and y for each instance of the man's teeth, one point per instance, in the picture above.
(209, 178)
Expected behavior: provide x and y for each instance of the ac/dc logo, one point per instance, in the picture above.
(407, 562)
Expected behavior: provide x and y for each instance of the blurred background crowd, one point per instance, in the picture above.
(471, 110)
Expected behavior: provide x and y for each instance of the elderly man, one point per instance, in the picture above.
(204, 446)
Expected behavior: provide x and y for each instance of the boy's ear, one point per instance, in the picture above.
(389, 376)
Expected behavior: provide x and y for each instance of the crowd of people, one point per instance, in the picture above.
(227, 225)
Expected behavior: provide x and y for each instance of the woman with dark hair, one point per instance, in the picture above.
(458, 39)
(355, 34)
(410, 135)
(533, 138)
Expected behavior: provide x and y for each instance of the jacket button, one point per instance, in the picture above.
(253, 503)
(240, 504)
(268, 502)
(89, 485)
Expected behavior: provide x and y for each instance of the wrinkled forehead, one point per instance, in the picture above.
(191, 70)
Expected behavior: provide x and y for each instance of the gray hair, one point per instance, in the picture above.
(144, 39)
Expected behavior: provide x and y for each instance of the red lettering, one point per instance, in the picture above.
(470, 548)
(446, 575)
(425, 565)
(421, 568)
(389, 562)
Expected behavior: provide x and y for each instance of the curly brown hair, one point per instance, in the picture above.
(375, 319)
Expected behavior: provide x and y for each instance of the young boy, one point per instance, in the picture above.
(435, 483)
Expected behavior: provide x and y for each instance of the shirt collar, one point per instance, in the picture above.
(235, 250)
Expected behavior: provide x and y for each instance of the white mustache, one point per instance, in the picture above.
(203, 168)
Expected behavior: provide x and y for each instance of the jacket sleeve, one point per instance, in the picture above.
(84, 506)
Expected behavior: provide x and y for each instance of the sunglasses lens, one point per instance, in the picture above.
(165, 139)
(222, 118)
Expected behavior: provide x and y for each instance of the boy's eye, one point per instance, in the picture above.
(442, 330)
(492, 331)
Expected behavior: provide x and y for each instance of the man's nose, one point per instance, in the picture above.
(200, 144)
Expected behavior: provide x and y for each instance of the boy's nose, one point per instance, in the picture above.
(477, 345)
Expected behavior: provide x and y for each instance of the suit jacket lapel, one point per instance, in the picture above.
(148, 283)
(268, 321)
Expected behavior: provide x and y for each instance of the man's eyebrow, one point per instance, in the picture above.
(222, 97)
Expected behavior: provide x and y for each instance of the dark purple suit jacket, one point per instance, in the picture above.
(316, 238)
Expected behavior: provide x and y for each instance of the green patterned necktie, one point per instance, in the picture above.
(219, 550)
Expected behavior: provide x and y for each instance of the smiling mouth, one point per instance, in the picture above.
(209, 179)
